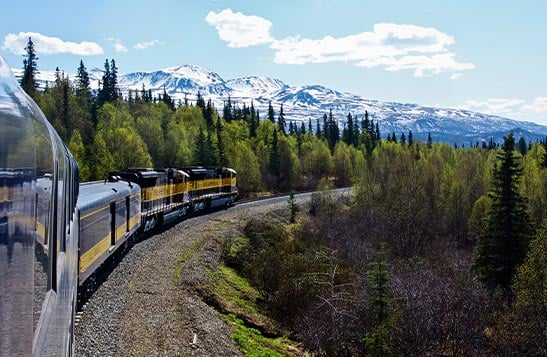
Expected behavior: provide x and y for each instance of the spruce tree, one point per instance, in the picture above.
(271, 114)
(83, 95)
(275, 163)
(503, 244)
(222, 160)
(429, 140)
(65, 110)
(348, 134)
(227, 111)
(113, 81)
(105, 89)
(522, 146)
(30, 68)
(202, 152)
(318, 129)
(281, 120)
(382, 306)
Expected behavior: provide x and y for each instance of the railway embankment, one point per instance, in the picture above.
(171, 294)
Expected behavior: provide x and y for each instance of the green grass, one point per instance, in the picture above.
(187, 255)
(239, 300)
(229, 286)
(251, 342)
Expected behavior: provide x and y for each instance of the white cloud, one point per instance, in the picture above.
(47, 45)
(498, 106)
(120, 48)
(456, 76)
(392, 46)
(145, 44)
(539, 105)
(240, 30)
(515, 108)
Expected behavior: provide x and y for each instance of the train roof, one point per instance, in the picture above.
(97, 194)
(196, 170)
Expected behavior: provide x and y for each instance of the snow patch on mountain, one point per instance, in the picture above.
(311, 102)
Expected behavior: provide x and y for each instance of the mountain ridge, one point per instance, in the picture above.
(313, 101)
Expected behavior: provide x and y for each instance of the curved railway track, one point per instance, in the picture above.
(140, 308)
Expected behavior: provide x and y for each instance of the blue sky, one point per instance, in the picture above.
(488, 56)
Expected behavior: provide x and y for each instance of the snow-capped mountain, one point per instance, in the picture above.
(312, 101)
(177, 81)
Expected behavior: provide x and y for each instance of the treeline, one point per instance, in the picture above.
(439, 251)
(106, 131)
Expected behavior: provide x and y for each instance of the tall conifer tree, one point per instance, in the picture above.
(281, 120)
(271, 114)
(30, 68)
(503, 244)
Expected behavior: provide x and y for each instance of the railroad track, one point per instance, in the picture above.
(136, 301)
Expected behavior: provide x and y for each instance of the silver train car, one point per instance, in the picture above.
(109, 214)
(38, 229)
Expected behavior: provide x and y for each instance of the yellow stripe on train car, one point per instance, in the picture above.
(120, 231)
(89, 214)
(133, 221)
(158, 192)
(204, 184)
(94, 253)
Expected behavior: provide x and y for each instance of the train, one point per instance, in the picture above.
(55, 232)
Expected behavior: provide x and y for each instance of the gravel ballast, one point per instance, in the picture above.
(148, 305)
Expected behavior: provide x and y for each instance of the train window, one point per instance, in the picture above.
(54, 224)
(127, 213)
(121, 217)
(61, 198)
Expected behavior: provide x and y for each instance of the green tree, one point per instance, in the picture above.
(222, 159)
(245, 162)
(28, 81)
(293, 207)
(82, 80)
(521, 328)
(522, 147)
(343, 166)
(382, 306)
(271, 114)
(281, 120)
(102, 161)
(113, 81)
(530, 288)
(203, 154)
(149, 128)
(104, 87)
(76, 147)
(117, 127)
(289, 166)
(504, 243)
(275, 161)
